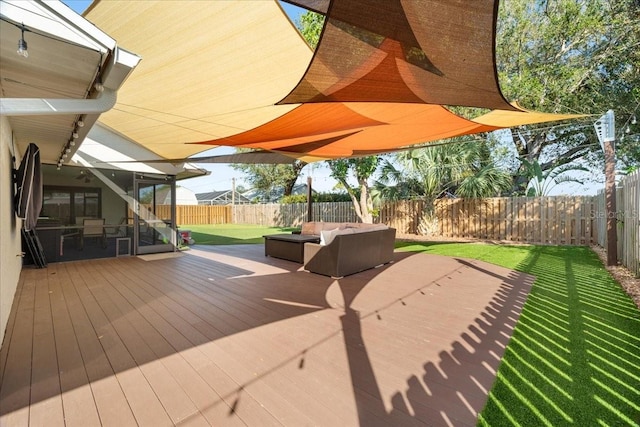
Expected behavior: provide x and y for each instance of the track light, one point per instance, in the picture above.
(75, 135)
(80, 123)
(22, 45)
(99, 87)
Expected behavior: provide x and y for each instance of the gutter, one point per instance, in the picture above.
(115, 73)
(55, 106)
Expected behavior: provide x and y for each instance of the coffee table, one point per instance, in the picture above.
(288, 246)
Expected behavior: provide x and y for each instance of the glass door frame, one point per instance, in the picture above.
(145, 181)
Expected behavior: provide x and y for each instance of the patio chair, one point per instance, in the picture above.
(93, 228)
(119, 230)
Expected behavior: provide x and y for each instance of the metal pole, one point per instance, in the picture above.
(309, 200)
(233, 199)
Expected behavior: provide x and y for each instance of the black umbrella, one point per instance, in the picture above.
(28, 199)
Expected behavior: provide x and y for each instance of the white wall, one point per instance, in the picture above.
(10, 244)
(184, 196)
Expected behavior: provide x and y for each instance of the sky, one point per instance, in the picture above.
(222, 175)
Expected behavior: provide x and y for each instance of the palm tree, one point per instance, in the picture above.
(541, 182)
(463, 169)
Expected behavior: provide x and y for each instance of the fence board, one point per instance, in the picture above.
(628, 223)
(547, 220)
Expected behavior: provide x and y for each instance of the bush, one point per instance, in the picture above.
(319, 197)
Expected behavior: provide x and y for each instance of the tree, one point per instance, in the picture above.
(310, 27)
(569, 56)
(464, 169)
(457, 168)
(362, 169)
(268, 178)
(542, 182)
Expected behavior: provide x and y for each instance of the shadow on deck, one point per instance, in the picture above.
(225, 336)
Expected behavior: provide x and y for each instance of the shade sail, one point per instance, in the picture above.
(209, 68)
(232, 73)
(507, 119)
(348, 129)
(428, 51)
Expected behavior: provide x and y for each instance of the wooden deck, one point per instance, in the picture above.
(225, 336)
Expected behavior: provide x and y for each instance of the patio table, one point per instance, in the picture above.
(287, 246)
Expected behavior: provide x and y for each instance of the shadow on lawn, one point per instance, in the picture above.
(574, 357)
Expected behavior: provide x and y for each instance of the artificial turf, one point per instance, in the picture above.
(232, 234)
(574, 357)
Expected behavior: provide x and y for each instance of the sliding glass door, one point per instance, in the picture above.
(154, 223)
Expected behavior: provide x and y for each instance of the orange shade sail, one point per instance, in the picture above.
(334, 130)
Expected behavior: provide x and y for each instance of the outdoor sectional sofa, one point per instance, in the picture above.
(347, 248)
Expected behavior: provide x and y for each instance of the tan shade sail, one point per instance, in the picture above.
(507, 119)
(209, 69)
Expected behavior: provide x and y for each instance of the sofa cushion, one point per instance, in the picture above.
(327, 236)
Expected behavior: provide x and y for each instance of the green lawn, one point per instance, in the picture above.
(231, 234)
(574, 358)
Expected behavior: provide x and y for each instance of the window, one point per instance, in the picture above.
(57, 203)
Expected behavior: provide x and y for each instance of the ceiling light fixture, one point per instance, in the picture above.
(22, 45)
(80, 123)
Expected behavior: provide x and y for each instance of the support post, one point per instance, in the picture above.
(610, 201)
(605, 129)
(309, 201)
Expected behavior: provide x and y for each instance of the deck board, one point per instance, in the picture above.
(15, 391)
(77, 398)
(227, 336)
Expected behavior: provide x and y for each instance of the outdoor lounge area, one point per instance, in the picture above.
(223, 335)
(115, 322)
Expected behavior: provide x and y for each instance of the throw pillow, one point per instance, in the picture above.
(327, 236)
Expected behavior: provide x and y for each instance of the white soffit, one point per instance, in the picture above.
(105, 149)
(44, 18)
(209, 69)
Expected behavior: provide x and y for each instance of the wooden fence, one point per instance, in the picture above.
(628, 221)
(542, 220)
(293, 215)
(197, 214)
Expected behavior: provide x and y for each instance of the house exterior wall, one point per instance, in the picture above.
(10, 243)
